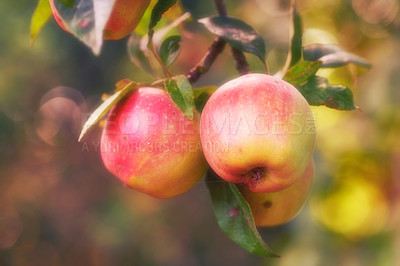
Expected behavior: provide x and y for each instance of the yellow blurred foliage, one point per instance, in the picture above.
(357, 208)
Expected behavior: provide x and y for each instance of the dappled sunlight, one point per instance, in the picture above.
(356, 208)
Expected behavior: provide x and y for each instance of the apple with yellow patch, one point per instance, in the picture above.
(271, 209)
(151, 146)
(258, 130)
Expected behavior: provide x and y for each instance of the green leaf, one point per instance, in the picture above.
(302, 72)
(170, 49)
(68, 3)
(143, 57)
(315, 51)
(86, 20)
(341, 58)
(159, 34)
(237, 33)
(209, 89)
(181, 93)
(201, 96)
(318, 91)
(120, 85)
(159, 9)
(332, 56)
(234, 216)
(107, 105)
(139, 54)
(40, 17)
(297, 39)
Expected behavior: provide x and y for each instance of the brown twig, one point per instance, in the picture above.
(205, 63)
(241, 64)
(221, 8)
(240, 60)
(215, 49)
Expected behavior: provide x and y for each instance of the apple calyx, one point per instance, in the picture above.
(255, 175)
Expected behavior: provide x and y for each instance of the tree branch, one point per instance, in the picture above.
(215, 49)
(221, 8)
(240, 60)
(241, 64)
(205, 63)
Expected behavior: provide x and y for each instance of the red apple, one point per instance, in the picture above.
(271, 209)
(151, 145)
(123, 19)
(258, 130)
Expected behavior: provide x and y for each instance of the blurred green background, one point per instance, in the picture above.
(59, 206)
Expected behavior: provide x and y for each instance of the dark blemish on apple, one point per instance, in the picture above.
(234, 212)
(267, 204)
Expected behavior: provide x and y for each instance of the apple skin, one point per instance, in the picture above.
(123, 19)
(258, 130)
(272, 209)
(151, 146)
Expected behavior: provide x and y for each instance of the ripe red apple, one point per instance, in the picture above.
(271, 209)
(258, 130)
(123, 19)
(151, 145)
